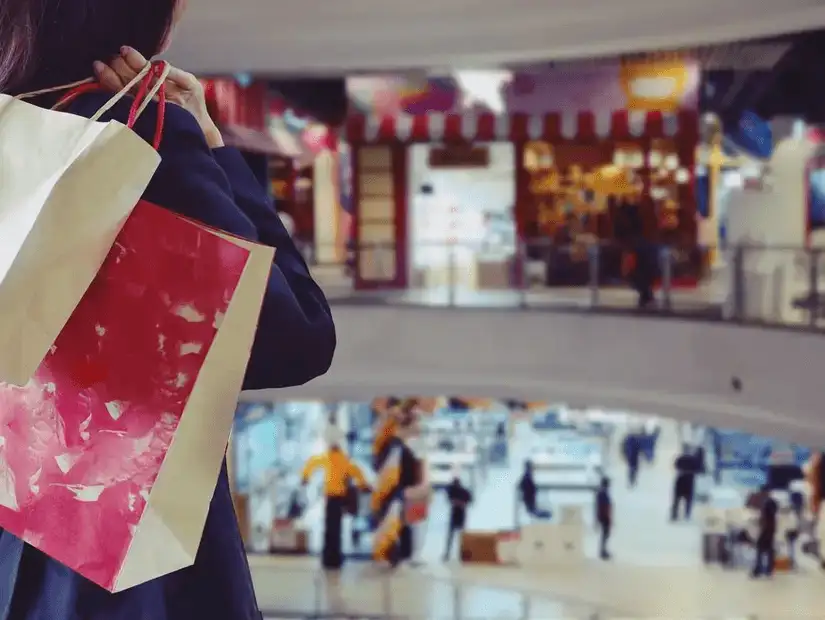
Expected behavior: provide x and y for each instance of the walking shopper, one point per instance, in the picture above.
(765, 550)
(604, 517)
(529, 493)
(684, 486)
(460, 498)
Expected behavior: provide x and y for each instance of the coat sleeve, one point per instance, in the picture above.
(313, 315)
(295, 340)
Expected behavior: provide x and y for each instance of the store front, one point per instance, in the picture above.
(567, 172)
(461, 216)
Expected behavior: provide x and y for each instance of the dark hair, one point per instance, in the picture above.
(46, 43)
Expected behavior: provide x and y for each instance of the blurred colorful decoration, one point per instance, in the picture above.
(484, 88)
(752, 135)
(662, 85)
(241, 113)
(432, 95)
(655, 85)
(384, 95)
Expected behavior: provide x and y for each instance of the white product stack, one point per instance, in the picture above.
(507, 548)
(553, 544)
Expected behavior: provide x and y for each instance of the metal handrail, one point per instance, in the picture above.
(754, 284)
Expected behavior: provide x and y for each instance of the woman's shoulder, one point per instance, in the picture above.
(178, 124)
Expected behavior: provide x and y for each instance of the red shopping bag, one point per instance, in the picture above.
(109, 455)
(417, 511)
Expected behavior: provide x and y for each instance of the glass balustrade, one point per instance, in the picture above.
(753, 284)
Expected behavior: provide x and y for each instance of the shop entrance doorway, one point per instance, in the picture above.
(462, 231)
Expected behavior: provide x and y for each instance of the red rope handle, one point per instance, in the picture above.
(155, 73)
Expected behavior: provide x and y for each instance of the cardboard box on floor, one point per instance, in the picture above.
(287, 538)
(479, 547)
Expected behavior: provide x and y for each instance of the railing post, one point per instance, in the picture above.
(593, 262)
(458, 606)
(526, 606)
(738, 284)
(666, 262)
(386, 596)
(451, 263)
(813, 287)
(522, 281)
(318, 596)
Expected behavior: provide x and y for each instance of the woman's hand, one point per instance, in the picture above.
(182, 88)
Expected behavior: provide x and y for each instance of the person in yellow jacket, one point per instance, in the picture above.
(343, 479)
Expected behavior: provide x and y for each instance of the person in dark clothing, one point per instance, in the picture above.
(632, 449)
(780, 475)
(797, 501)
(643, 273)
(460, 497)
(529, 493)
(48, 43)
(687, 467)
(765, 551)
(352, 440)
(604, 516)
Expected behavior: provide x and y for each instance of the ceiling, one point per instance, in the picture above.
(791, 83)
(344, 36)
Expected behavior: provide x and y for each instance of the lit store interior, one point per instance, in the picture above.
(486, 443)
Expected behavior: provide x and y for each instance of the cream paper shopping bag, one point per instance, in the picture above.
(67, 185)
(122, 430)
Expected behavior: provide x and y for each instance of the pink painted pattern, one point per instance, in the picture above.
(82, 444)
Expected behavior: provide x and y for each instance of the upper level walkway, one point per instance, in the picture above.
(589, 346)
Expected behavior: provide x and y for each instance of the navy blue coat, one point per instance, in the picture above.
(294, 344)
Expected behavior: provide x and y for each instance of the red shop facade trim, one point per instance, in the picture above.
(379, 165)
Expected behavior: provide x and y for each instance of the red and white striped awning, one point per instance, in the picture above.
(554, 127)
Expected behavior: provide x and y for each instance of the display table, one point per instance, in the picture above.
(551, 545)
(571, 468)
(543, 545)
(442, 466)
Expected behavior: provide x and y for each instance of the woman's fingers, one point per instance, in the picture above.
(180, 78)
(107, 77)
(133, 59)
(122, 68)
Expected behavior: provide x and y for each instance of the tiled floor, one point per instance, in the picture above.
(596, 590)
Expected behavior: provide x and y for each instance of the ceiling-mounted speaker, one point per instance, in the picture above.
(324, 99)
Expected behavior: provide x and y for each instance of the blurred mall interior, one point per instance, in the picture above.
(646, 179)
(543, 158)
(485, 444)
(685, 183)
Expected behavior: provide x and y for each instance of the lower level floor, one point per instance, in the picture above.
(595, 591)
